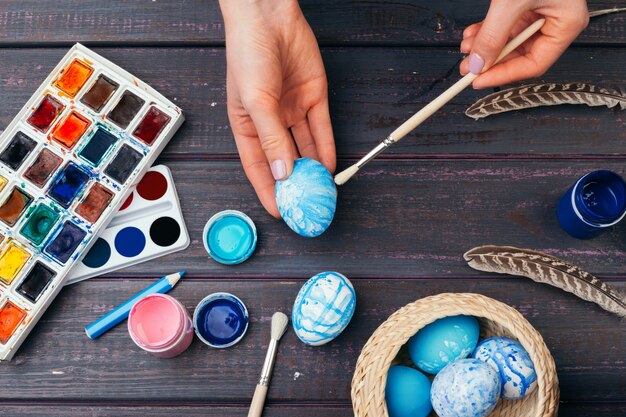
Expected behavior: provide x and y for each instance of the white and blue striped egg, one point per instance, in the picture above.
(465, 388)
(512, 361)
(307, 199)
(323, 308)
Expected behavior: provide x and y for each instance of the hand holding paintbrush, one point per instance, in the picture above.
(432, 107)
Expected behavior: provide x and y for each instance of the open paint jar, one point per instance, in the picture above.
(161, 325)
(220, 320)
(229, 237)
(594, 203)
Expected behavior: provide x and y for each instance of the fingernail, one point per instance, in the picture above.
(279, 169)
(476, 63)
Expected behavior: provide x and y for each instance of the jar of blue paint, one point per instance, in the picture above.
(229, 237)
(594, 203)
(220, 320)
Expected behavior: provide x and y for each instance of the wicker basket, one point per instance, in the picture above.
(496, 319)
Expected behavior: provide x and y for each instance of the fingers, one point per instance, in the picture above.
(322, 130)
(492, 35)
(274, 137)
(536, 56)
(472, 30)
(304, 139)
(542, 55)
(257, 170)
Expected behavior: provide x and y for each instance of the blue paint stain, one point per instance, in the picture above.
(68, 184)
(130, 242)
(98, 255)
(221, 320)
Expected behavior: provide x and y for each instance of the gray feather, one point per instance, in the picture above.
(550, 94)
(547, 269)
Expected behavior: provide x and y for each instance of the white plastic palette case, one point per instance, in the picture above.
(68, 161)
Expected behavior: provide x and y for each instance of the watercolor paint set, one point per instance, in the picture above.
(148, 225)
(68, 161)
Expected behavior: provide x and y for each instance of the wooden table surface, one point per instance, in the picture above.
(401, 226)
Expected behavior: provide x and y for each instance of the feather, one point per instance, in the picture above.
(596, 13)
(547, 269)
(550, 94)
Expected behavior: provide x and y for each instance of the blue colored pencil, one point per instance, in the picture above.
(120, 313)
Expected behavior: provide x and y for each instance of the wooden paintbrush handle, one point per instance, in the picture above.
(460, 85)
(256, 408)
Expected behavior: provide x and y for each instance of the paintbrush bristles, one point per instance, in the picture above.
(346, 174)
(279, 325)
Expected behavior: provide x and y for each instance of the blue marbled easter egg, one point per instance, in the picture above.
(323, 308)
(308, 198)
(465, 388)
(512, 361)
(407, 393)
(443, 341)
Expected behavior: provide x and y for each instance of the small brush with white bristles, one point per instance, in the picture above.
(279, 326)
(432, 107)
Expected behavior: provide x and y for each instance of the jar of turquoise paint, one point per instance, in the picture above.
(229, 237)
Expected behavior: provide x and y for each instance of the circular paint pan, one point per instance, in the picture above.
(130, 242)
(165, 231)
(98, 255)
(229, 237)
(128, 201)
(152, 186)
(220, 320)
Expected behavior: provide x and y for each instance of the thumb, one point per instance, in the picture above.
(274, 137)
(494, 34)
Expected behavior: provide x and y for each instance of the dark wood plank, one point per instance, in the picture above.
(372, 90)
(58, 362)
(196, 21)
(210, 410)
(400, 218)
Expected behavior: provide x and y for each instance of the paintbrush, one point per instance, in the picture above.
(419, 117)
(279, 325)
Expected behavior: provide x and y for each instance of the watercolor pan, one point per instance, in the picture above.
(126, 109)
(97, 147)
(99, 93)
(65, 171)
(68, 131)
(46, 113)
(74, 77)
(14, 205)
(42, 167)
(17, 151)
(150, 224)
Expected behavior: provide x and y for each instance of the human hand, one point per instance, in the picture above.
(484, 41)
(277, 92)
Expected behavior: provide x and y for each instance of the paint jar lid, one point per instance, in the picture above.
(221, 320)
(230, 237)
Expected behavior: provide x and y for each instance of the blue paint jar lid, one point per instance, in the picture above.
(230, 237)
(221, 320)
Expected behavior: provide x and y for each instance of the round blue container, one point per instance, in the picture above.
(220, 320)
(230, 237)
(595, 202)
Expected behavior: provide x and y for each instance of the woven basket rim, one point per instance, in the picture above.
(369, 380)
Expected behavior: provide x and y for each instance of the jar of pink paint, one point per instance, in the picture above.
(161, 325)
